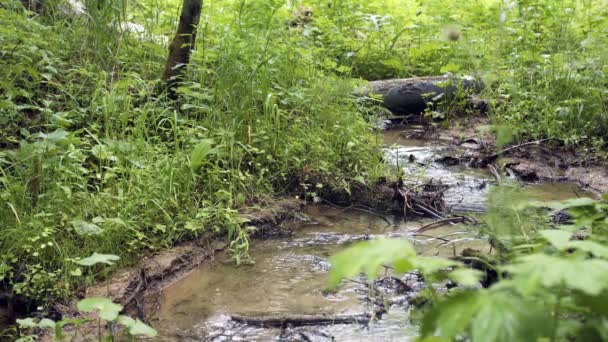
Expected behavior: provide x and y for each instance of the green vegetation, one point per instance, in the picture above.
(552, 285)
(104, 309)
(93, 161)
(95, 158)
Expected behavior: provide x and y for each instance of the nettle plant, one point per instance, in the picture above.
(552, 279)
(107, 312)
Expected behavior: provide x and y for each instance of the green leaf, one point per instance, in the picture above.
(104, 307)
(571, 203)
(451, 317)
(596, 249)
(27, 322)
(558, 238)
(140, 328)
(200, 152)
(433, 265)
(96, 258)
(505, 317)
(136, 327)
(368, 257)
(47, 323)
(466, 276)
(450, 67)
(85, 228)
(125, 320)
(57, 136)
(589, 276)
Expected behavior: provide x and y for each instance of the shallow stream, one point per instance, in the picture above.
(289, 274)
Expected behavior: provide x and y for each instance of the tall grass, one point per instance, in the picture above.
(93, 159)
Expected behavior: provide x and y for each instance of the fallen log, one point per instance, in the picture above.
(409, 96)
(301, 320)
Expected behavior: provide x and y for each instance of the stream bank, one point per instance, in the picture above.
(192, 292)
(285, 287)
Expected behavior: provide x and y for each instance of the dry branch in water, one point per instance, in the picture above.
(302, 320)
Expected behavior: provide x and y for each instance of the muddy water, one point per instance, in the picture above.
(289, 274)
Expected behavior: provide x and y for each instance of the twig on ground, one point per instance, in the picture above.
(434, 237)
(359, 209)
(535, 142)
(495, 173)
(439, 223)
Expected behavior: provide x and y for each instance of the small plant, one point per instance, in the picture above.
(107, 312)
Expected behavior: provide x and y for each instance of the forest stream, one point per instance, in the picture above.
(289, 273)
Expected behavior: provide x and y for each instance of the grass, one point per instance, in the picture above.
(94, 160)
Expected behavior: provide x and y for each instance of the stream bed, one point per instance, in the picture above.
(289, 273)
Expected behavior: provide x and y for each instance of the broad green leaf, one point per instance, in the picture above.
(47, 323)
(104, 307)
(200, 152)
(96, 258)
(571, 203)
(368, 257)
(136, 327)
(57, 136)
(589, 276)
(466, 276)
(125, 320)
(140, 328)
(433, 265)
(504, 317)
(85, 228)
(597, 249)
(27, 322)
(558, 238)
(451, 317)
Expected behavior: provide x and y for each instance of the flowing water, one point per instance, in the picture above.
(289, 274)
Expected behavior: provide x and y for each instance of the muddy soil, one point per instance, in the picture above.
(473, 144)
(289, 277)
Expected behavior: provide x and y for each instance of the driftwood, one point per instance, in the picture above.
(440, 223)
(410, 96)
(302, 320)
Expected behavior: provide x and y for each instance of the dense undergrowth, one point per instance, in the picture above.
(93, 158)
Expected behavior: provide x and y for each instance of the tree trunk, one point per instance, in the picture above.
(32, 5)
(182, 45)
